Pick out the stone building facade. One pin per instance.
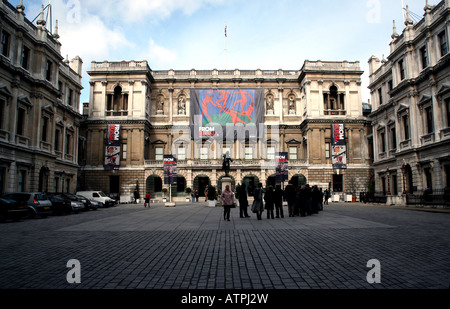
(39, 106)
(153, 109)
(411, 108)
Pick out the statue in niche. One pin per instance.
(269, 105)
(160, 106)
(181, 106)
(291, 105)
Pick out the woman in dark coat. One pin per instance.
(243, 202)
(258, 203)
(279, 201)
(269, 198)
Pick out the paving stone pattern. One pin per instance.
(191, 247)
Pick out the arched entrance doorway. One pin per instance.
(271, 181)
(153, 185)
(408, 179)
(251, 182)
(200, 183)
(299, 180)
(180, 187)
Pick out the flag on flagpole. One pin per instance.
(225, 30)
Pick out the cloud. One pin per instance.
(138, 10)
(159, 56)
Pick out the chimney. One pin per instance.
(77, 65)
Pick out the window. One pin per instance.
(393, 138)
(68, 138)
(405, 120)
(271, 153)
(124, 151)
(25, 58)
(380, 95)
(44, 129)
(443, 43)
(159, 154)
(428, 178)
(390, 86)
(248, 153)
(56, 188)
(117, 103)
(447, 106)
(57, 133)
(21, 182)
(424, 57)
(20, 121)
(394, 184)
(181, 153)
(429, 120)
(48, 70)
(2, 112)
(67, 185)
(5, 43)
(204, 153)
(70, 97)
(327, 151)
(293, 153)
(401, 66)
(383, 142)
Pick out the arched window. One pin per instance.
(334, 102)
(117, 103)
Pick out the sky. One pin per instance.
(261, 34)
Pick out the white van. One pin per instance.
(98, 196)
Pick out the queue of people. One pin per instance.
(301, 201)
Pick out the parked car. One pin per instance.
(74, 203)
(13, 210)
(98, 196)
(60, 205)
(37, 203)
(88, 204)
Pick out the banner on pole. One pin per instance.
(282, 161)
(113, 147)
(170, 170)
(338, 146)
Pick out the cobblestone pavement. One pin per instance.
(190, 246)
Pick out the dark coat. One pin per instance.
(258, 203)
(278, 197)
(269, 198)
(243, 201)
(289, 194)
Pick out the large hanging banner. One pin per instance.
(282, 172)
(338, 146)
(112, 154)
(226, 113)
(170, 170)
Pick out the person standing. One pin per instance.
(243, 202)
(206, 193)
(258, 203)
(289, 194)
(196, 196)
(136, 195)
(227, 201)
(147, 200)
(325, 196)
(278, 197)
(270, 202)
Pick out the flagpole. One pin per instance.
(225, 46)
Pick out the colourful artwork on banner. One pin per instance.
(215, 111)
(113, 147)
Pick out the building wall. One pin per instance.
(414, 146)
(148, 125)
(39, 117)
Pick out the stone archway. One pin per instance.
(153, 185)
(251, 182)
(299, 180)
(200, 183)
